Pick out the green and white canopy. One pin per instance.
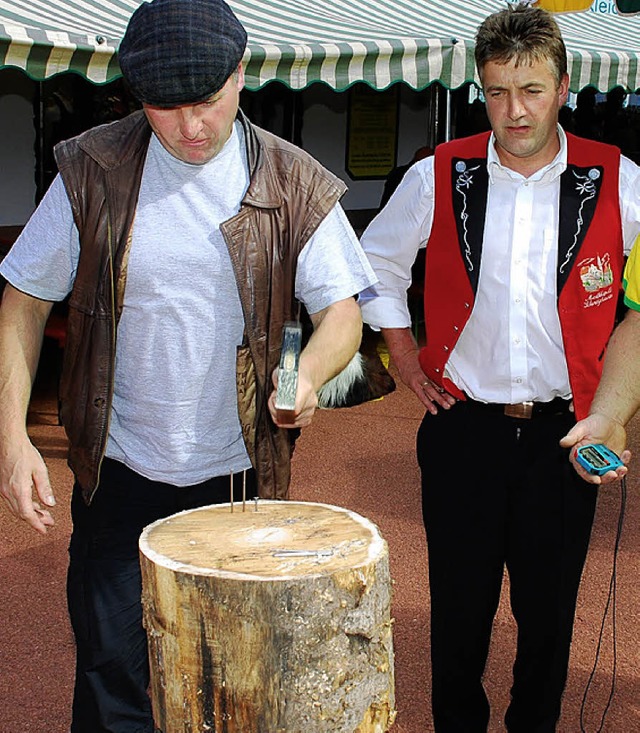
(338, 42)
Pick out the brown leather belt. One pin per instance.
(523, 410)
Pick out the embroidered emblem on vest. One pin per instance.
(596, 276)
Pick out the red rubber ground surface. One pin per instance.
(363, 459)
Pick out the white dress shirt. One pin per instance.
(511, 349)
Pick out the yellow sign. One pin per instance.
(372, 137)
(564, 6)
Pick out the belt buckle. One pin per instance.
(522, 410)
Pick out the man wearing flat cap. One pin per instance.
(184, 238)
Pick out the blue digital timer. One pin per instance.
(597, 459)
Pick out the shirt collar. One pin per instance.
(550, 172)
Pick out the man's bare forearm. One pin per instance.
(401, 344)
(22, 321)
(618, 394)
(336, 337)
(616, 401)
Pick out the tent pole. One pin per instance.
(39, 144)
(448, 116)
(435, 114)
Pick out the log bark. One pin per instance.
(268, 621)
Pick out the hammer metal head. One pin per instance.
(289, 366)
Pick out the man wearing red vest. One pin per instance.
(525, 231)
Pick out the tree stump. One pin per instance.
(275, 620)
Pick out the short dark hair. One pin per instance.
(524, 34)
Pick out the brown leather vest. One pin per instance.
(288, 196)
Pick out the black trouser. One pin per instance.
(500, 491)
(104, 589)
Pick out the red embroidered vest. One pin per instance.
(589, 264)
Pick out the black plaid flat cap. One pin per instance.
(180, 51)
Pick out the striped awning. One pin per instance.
(337, 42)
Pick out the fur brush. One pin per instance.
(364, 378)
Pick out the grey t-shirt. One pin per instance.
(174, 417)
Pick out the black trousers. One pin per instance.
(104, 589)
(499, 491)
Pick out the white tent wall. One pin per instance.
(324, 109)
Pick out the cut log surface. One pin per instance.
(268, 621)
